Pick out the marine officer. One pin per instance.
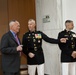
(32, 47)
(68, 49)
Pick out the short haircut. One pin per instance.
(11, 22)
(68, 21)
(31, 20)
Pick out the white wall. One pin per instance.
(58, 11)
(52, 28)
(69, 11)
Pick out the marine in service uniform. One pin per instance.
(68, 49)
(32, 47)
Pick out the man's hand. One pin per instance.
(19, 48)
(63, 40)
(73, 54)
(31, 55)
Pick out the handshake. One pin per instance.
(73, 54)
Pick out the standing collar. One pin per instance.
(67, 30)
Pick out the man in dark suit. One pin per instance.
(32, 47)
(10, 48)
(68, 49)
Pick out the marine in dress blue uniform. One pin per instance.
(68, 49)
(32, 43)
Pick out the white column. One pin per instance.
(51, 26)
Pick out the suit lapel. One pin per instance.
(11, 35)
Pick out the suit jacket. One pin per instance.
(32, 42)
(68, 47)
(10, 56)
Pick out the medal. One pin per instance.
(38, 36)
(65, 35)
(38, 41)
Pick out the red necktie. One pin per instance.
(17, 40)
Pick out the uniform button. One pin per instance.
(72, 42)
(33, 37)
(28, 40)
(34, 44)
(29, 34)
(72, 46)
(32, 33)
(71, 38)
(34, 40)
(35, 48)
